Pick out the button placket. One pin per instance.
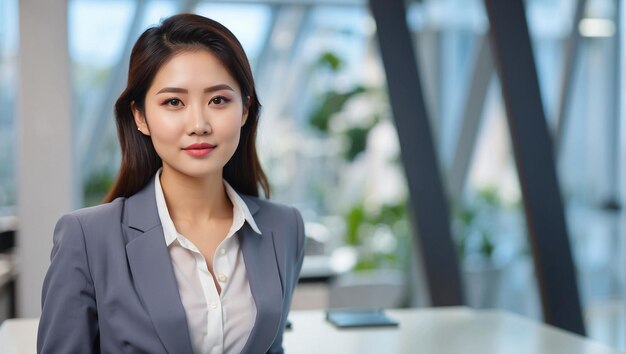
(221, 278)
(221, 264)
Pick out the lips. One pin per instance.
(199, 149)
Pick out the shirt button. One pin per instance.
(221, 278)
(222, 251)
(213, 305)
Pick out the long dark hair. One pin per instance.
(153, 49)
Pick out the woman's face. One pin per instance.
(193, 114)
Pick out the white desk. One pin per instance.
(437, 331)
(430, 331)
(18, 336)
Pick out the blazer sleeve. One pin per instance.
(300, 247)
(69, 319)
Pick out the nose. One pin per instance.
(199, 121)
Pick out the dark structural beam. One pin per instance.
(475, 96)
(572, 57)
(429, 209)
(534, 158)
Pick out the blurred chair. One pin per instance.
(368, 289)
(8, 226)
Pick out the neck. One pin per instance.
(195, 199)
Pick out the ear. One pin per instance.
(140, 119)
(244, 116)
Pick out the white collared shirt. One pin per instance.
(218, 323)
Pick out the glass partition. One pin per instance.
(8, 104)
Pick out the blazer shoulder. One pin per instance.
(99, 216)
(268, 206)
(99, 211)
(282, 217)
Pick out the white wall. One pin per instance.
(44, 142)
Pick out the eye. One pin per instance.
(173, 102)
(219, 100)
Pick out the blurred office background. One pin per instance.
(329, 146)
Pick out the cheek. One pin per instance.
(229, 127)
(229, 136)
(164, 128)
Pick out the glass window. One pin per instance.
(97, 77)
(248, 22)
(587, 154)
(8, 92)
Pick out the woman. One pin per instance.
(183, 257)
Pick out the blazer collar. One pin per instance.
(253, 207)
(242, 207)
(152, 270)
(141, 211)
(266, 286)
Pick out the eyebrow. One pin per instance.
(206, 90)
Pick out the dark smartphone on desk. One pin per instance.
(359, 318)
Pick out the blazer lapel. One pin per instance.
(262, 268)
(152, 271)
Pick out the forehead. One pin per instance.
(193, 69)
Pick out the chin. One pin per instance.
(197, 171)
(203, 173)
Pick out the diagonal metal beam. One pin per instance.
(264, 58)
(572, 54)
(295, 71)
(616, 141)
(476, 92)
(279, 64)
(429, 208)
(534, 158)
(615, 101)
(276, 66)
(92, 140)
(95, 136)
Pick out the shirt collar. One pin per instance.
(240, 210)
(241, 206)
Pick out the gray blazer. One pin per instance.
(111, 287)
